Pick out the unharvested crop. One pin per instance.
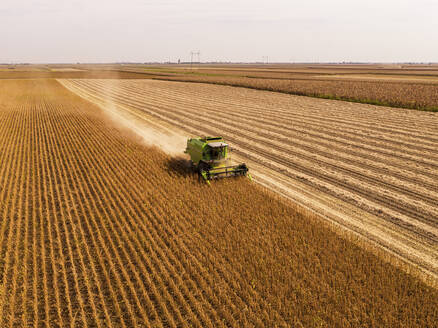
(98, 230)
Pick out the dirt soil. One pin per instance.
(372, 170)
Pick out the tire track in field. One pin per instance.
(187, 113)
(351, 125)
(355, 120)
(366, 113)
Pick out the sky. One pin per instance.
(61, 31)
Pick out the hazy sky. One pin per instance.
(223, 30)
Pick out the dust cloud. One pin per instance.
(166, 141)
(150, 131)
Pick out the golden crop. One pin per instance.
(98, 230)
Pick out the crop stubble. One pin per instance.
(379, 160)
(98, 230)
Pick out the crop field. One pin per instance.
(405, 92)
(292, 72)
(367, 168)
(406, 86)
(100, 230)
(68, 74)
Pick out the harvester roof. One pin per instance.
(217, 144)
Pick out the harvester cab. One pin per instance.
(210, 156)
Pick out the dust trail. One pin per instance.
(151, 132)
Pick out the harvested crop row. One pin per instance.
(379, 163)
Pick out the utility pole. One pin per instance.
(193, 53)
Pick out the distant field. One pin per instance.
(422, 96)
(67, 69)
(99, 230)
(405, 86)
(79, 74)
(23, 68)
(413, 87)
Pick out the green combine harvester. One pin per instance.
(210, 157)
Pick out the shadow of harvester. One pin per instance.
(180, 166)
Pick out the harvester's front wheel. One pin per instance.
(202, 170)
(202, 167)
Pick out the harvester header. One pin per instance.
(210, 156)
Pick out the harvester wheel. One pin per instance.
(203, 170)
(202, 167)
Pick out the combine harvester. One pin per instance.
(210, 157)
